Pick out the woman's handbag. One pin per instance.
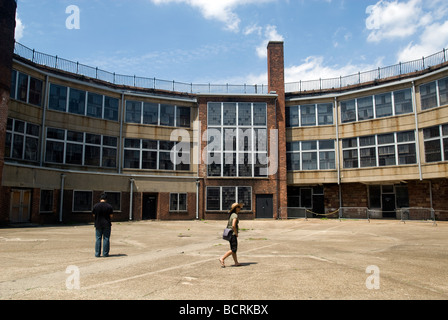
(227, 234)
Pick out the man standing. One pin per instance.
(102, 212)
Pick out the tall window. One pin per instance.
(436, 143)
(22, 140)
(237, 140)
(434, 94)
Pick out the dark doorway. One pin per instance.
(265, 209)
(388, 205)
(149, 206)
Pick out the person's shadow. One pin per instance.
(244, 264)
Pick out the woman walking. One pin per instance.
(233, 224)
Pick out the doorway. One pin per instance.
(265, 209)
(388, 200)
(20, 206)
(149, 206)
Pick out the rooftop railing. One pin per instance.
(359, 78)
(341, 82)
(133, 81)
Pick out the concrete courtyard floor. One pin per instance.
(282, 260)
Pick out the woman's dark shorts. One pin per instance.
(233, 243)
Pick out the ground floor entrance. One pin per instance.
(20, 206)
(149, 206)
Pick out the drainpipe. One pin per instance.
(417, 135)
(197, 199)
(61, 203)
(131, 197)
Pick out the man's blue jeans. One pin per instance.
(102, 234)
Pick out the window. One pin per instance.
(311, 155)
(167, 115)
(178, 202)
(150, 113)
(46, 201)
(428, 95)
(133, 111)
(114, 199)
(237, 140)
(22, 140)
(77, 101)
(94, 105)
(383, 105)
(403, 101)
(157, 114)
(309, 115)
(110, 108)
(380, 150)
(348, 111)
(292, 116)
(156, 155)
(365, 108)
(434, 94)
(378, 106)
(82, 201)
(26, 88)
(443, 91)
(58, 98)
(79, 148)
(221, 198)
(325, 114)
(436, 143)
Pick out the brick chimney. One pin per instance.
(276, 82)
(7, 29)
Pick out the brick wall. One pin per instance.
(7, 28)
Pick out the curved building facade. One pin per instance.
(370, 150)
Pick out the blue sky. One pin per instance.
(224, 41)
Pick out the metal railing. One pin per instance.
(133, 81)
(396, 70)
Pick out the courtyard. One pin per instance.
(315, 259)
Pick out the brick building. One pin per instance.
(364, 149)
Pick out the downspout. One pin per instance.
(417, 136)
(120, 142)
(131, 181)
(61, 203)
(44, 115)
(336, 109)
(197, 199)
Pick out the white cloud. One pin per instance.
(20, 27)
(432, 40)
(425, 20)
(221, 10)
(314, 68)
(270, 34)
(394, 19)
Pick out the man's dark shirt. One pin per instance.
(102, 212)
